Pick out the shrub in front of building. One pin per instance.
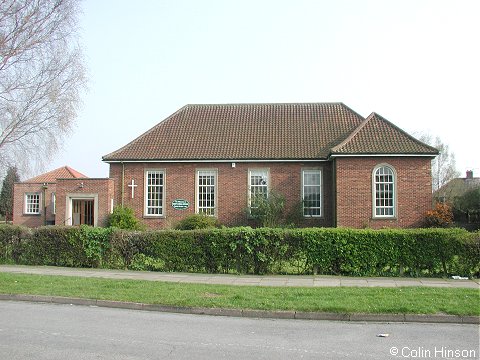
(440, 216)
(340, 251)
(197, 221)
(124, 218)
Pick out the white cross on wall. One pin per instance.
(133, 186)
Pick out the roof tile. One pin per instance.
(262, 131)
(64, 172)
(376, 135)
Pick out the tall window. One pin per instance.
(32, 203)
(312, 193)
(258, 185)
(54, 204)
(154, 192)
(206, 192)
(384, 191)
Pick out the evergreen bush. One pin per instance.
(124, 218)
(365, 252)
(196, 221)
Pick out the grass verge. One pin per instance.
(405, 300)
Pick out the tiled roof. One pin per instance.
(376, 135)
(251, 132)
(457, 187)
(64, 172)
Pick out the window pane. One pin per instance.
(384, 192)
(54, 203)
(258, 185)
(206, 192)
(154, 195)
(312, 192)
(32, 203)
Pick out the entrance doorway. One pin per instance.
(83, 212)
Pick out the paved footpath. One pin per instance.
(252, 280)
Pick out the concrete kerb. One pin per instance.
(441, 318)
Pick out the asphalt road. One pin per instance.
(51, 331)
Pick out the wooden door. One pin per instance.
(82, 212)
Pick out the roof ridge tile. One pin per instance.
(352, 135)
(405, 133)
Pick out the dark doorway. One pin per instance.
(82, 212)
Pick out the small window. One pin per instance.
(312, 193)
(154, 192)
(384, 192)
(207, 192)
(258, 185)
(32, 203)
(54, 204)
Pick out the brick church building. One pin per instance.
(338, 168)
(62, 196)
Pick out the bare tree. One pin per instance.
(443, 166)
(42, 77)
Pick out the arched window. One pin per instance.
(384, 193)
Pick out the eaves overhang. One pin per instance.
(383, 155)
(119, 161)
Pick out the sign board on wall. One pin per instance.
(180, 204)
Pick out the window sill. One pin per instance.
(209, 216)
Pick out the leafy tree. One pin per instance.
(467, 206)
(6, 195)
(443, 166)
(42, 77)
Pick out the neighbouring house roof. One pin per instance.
(294, 131)
(64, 172)
(456, 187)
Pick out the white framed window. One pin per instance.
(384, 193)
(312, 192)
(154, 193)
(54, 204)
(206, 192)
(258, 180)
(32, 203)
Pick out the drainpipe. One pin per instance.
(335, 184)
(123, 182)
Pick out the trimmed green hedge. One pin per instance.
(389, 252)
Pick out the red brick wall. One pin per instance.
(231, 189)
(31, 220)
(103, 188)
(354, 191)
(353, 197)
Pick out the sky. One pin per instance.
(416, 63)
